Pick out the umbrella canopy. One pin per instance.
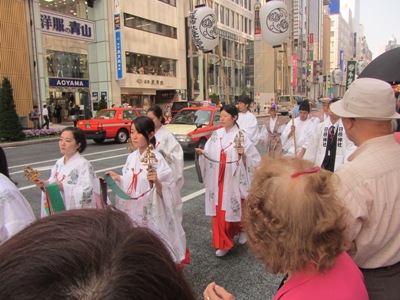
(385, 67)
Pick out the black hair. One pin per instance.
(79, 137)
(35, 106)
(232, 110)
(144, 125)
(89, 254)
(3, 163)
(157, 111)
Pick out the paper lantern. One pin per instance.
(337, 76)
(204, 28)
(274, 18)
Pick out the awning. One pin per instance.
(131, 91)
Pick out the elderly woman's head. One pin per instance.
(293, 219)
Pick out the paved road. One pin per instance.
(238, 271)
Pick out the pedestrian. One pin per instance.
(258, 108)
(167, 145)
(302, 130)
(368, 184)
(58, 110)
(270, 135)
(247, 121)
(227, 163)
(35, 117)
(74, 174)
(155, 200)
(89, 254)
(45, 114)
(296, 225)
(329, 146)
(15, 211)
(74, 114)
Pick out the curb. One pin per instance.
(29, 142)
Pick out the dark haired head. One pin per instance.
(244, 99)
(144, 125)
(89, 254)
(35, 106)
(232, 110)
(3, 163)
(157, 111)
(79, 137)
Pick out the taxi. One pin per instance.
(193, 126)
(110, 123)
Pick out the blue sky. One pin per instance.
(381, 20)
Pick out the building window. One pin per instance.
(227, 11)
(233, 19)
(138, 63)
(170, 2)
(216, 9)
(149, 26)
(221, 19)
(250, 27)
(245, 25)
(66, 64)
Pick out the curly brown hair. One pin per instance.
(294, 223)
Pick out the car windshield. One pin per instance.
(105, 114)
(179, 105)
(198, 117)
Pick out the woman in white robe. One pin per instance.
(227, 171)
(74, 174)
(167, 145)
(155, 201)
(15, 211)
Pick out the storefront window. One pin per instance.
(76, 8)
(66, 64)
(137, 63)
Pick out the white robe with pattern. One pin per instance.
(15, 211)
(303, 132)
(80, 183)
(237, 177)
(172, 151)
(248, 123)
(161, 214)
(317, 148)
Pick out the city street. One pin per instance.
(238, 272)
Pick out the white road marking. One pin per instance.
(193, 195)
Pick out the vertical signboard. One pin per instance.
(118, 47)
(351, 73)
(294, 73)
(341, 60)
(257, 23)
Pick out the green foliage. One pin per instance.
(214, 98)
(102, 103)
(10, 126)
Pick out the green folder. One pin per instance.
(54, 194)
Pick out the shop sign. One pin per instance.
(118, 47)
(67, 26)
(104, 95)
(351, 73)
(66, 82)
(95, 96)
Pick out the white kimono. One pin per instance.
(80, 183)
(303, 132)
(237, 177)
(162, 215)
(172, 151)
(317, 148)
(248, 123)
(15, 211)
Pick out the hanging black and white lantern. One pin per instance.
(204, 28)
(274, 18)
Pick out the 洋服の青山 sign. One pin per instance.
(64, 82)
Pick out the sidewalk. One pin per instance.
(38, 140)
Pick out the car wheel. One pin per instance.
(122, 136)
(201, 144)
(98, 141)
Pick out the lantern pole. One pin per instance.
(286, 67)
(222, 71)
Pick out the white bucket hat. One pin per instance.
(367, 98)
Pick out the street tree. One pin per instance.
(10, 125)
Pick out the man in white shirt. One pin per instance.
(302, 130)
(329, 146)
(247, 121)
(369, 184)
(45, 113)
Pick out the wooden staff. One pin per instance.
(286, 67)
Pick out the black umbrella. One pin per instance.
(385, 67)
